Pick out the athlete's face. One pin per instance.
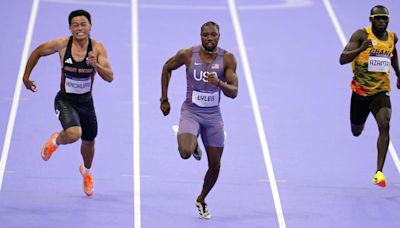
(379, 19)
(80, 27)
(209, 37)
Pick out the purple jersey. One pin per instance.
(200, 113)
(199, 92)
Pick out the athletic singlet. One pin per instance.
(76, 77)
(199, 92)
(371, 67)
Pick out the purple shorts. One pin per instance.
(204, 121)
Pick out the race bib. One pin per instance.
(77, 85)
(205, 99)
(378, 63)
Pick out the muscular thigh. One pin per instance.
(212, 131)
(188, 123)
(88, 120)
(66, 112)
(379, 101)
(359, 109)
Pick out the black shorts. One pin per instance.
(360, 106)
(77, 110)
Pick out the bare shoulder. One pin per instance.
(360, 34)
(184, 56)
(184, 53)
(229, 59)
(58, 44)
(97, 45)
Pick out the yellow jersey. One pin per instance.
(371, 67)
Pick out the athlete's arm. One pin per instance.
(182, 57)
(101, 63)
(43, 49)
(358, 43)
(230, 88)
(395, 61)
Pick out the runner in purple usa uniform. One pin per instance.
(209, 70)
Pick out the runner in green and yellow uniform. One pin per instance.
(372, 51)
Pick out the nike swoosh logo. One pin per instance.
(196, 64)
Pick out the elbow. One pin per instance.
(110, 78)
(341, 60)
(233, 95)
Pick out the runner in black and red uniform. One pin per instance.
(81, 57)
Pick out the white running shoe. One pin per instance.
(203, 210)
(197, 153)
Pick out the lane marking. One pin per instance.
(343, 40)
(17, 91)
(136, 112)
(91, 3)
(284, 4)
(256, 111)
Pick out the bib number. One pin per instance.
(378, 64)
(205, 99)
(77, 85)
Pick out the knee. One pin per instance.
(88, 144)
(73, 134)
(384, 126)
(214, 166)
(185, 152)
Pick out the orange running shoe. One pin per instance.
(87, 181)
(48, 148)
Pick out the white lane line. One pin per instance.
(257, 113)
(91, 3)
(136, 117)
(284, 4)
(393, 153)
(335, 22)
(342, 37)
(17, 91)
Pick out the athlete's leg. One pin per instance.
(87, 151)
(187, 143)
(69, 135)
(214, 139)
(359, 111)
(214, 155)
(188, 131)
(69, 119)
(89, 132)
(383, 120)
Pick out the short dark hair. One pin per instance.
(378, 7)
(209, 23)
(79, 12)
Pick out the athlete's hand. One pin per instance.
(165, 108)
(366, 44)
(92, 59)
(30, 85)
(212, 78)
